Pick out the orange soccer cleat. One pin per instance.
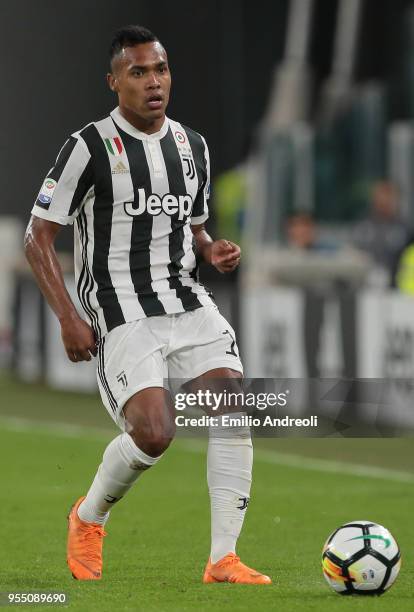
(231, 569)
(84, 549)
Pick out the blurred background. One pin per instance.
(307, 107)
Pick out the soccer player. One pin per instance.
(136, 184)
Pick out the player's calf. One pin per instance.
(129, 455)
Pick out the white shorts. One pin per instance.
(148, 352)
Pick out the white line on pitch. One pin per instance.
(64, 430)
(317, 465)
(69, 430)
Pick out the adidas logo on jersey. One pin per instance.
(154, 205)
(119, 168)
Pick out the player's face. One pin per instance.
(142, 80)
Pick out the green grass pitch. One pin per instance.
(158, 536)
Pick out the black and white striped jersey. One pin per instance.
(133, 197)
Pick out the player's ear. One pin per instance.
(112, 82)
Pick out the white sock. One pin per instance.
(122, 463)
(229, 476)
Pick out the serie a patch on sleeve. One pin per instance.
(46, 193)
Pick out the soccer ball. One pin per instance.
(361, 558)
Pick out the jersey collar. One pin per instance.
(130, 129)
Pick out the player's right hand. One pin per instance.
(79, 339)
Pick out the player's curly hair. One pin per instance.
(129, 36)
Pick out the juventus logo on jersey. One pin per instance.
(189, 167)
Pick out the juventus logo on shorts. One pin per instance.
(122, 379)
(190, 169)
(233, 344)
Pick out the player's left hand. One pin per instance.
(225, 255)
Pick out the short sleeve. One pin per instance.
(64, 189)
(200, 206)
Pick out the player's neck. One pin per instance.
(148, 127)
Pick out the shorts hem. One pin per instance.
(212, 364)
(156, 382)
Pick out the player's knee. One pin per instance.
(153, 445)
(149, 422)
(153, 439)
